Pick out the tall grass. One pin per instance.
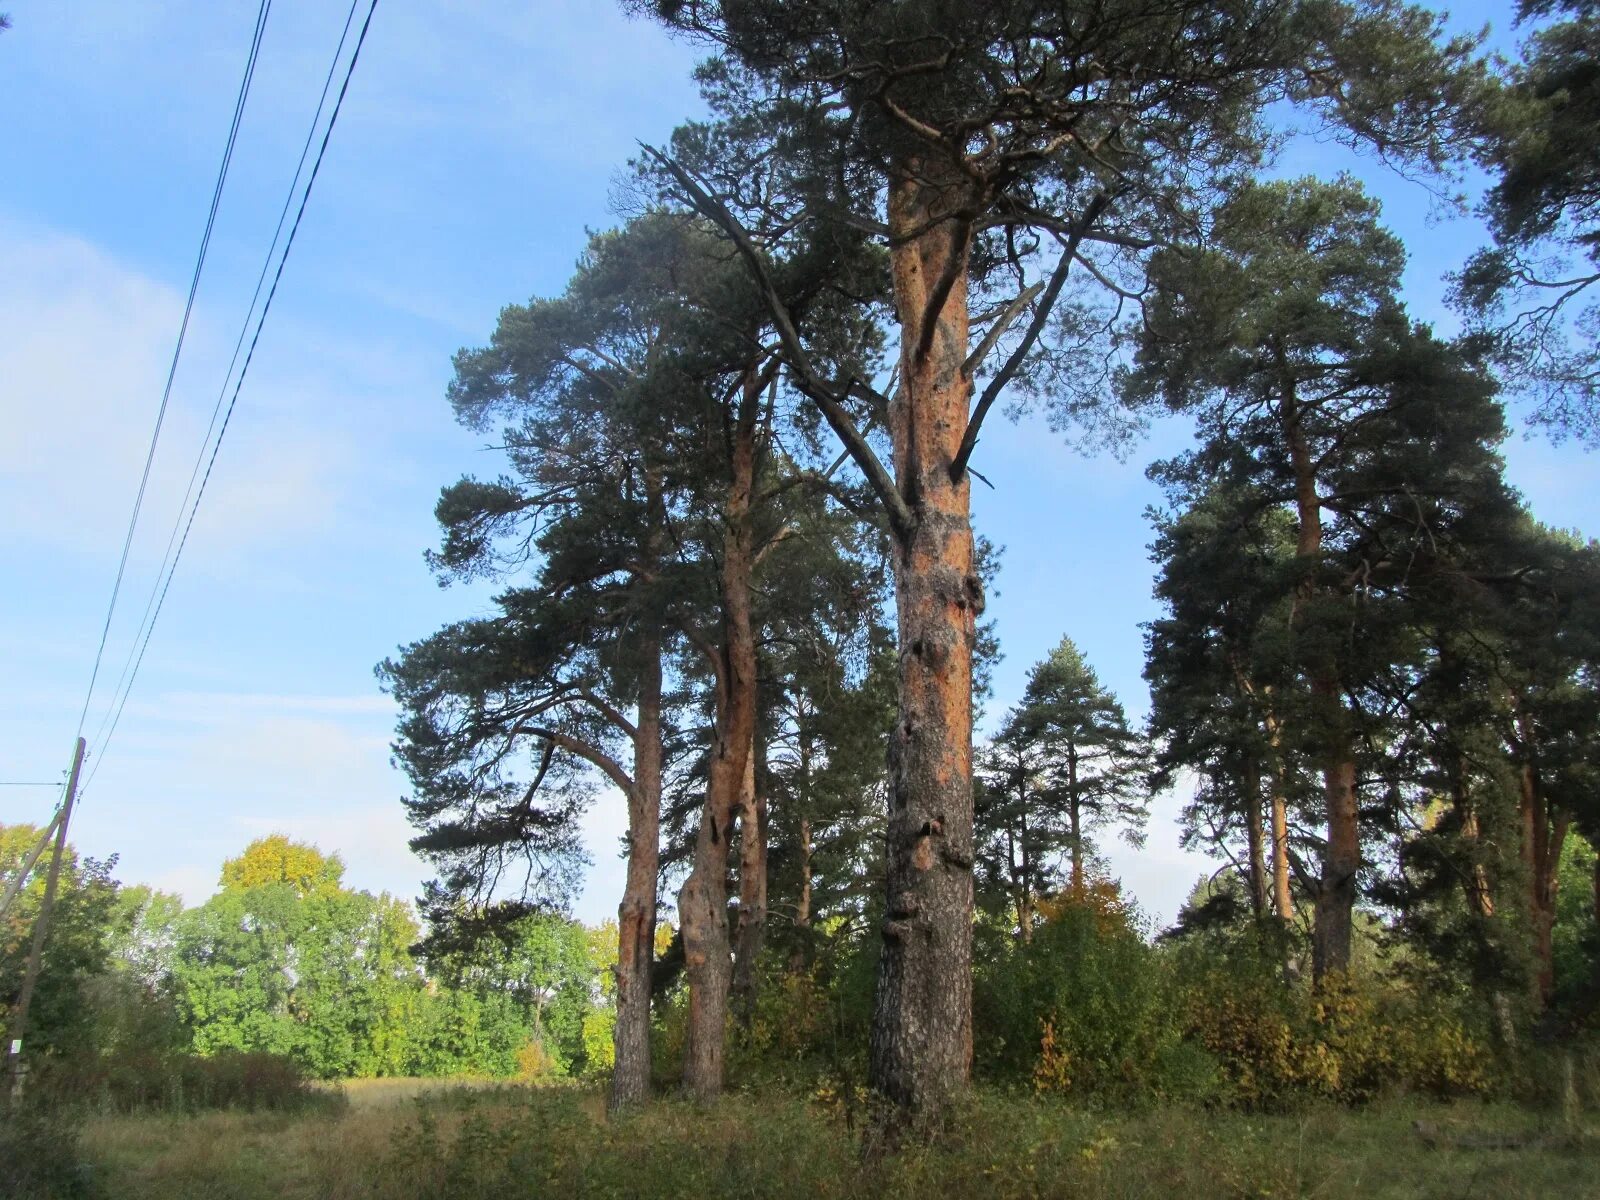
(519, 1142)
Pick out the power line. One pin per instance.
(29, 783)
(177, 352)
(222, 392)
(288, 246)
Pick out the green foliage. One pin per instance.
(61, 1018)
(456, 1032)
(1576, 936)
(1064, 765)
(1082, 1008)
(300, 967)
(39, 1154)
(542, 965)
(1351, 1039)
(323, 976)
(1534, 289)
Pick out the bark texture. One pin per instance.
(1255, 836)
(1336, 892)
(1334, 918)
(636, 916)
(752, 925)
(1544, 832)
(1282, 900)
(703, 899)
(1475, 885)
(921, 1046)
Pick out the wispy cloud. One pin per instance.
(82, 368)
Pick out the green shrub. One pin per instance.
(1084, 1008)
(39, 1155)
(1350, 1039)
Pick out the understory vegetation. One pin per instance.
(525, 1142)
(146, 1006)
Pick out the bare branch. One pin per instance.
(1041, 313)
(998, 330)
(806, 377)
(610, 713)
(589, 754)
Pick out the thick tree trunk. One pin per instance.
(1336, 894)
(636, 916)
(1341, 859)
(703, 899)
(1544, 832)
(1255, 837)
(921, 1046)
(752, 888)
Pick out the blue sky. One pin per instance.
(477, 145)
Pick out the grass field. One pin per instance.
(398, 1140)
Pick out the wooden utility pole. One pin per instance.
(41, 930)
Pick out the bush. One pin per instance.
(39, 1155)
(130, 1080)
(1349, 1040)
(1084, 1008)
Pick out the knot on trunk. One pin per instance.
(955, 857)
(922, 852)
(975, 599)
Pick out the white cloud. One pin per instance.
(82, 368)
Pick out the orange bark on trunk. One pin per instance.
(921, 1047)
(636, 916)
(703, 899)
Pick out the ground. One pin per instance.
(402, 1139)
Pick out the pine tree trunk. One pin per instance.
(752, 888)
(802, 911)
(1336, 894)
(1544, 831)
(921, 1045)
(636, 916)
(1282, 899)
(1075, 817)
(1475, 886)
(1255, 837)
(802, 908)
(1341, 859)
(1025, 881)
(703, 899)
